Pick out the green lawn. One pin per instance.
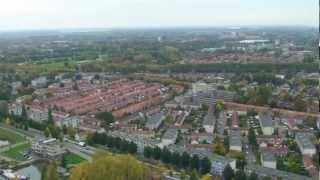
(17, 152)
(10, 136)
(72, 158)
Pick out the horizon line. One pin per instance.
(235, 26)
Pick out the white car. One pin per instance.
(82, 144)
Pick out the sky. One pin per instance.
(59, 14)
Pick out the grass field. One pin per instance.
(72, 158)
(12, 137)
(17, 152)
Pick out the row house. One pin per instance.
(108, 99)
(277, 151)
(90, 124)
(201, 138)
(235, 120)
(139, 139)
(37, 114)
(34, 113)
(273, 140)
(72, 121)
(137, 107)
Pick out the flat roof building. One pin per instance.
(155, 120)
(169, 137)
(274, 173)
(305, 145)
(268, 160)
(209, 121)
(50, 149)
(266, 123)
(235, 141)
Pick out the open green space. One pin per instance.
(72, 158)
(12, 137)
(17, 152)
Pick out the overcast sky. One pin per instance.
(51, 14)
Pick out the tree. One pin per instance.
(240, 175)
(24, 114)
(156, 153)
(176, 159)
(219, 149)
(65, 129)
(251, 113)
(194, 175)
(253, 176)
(124, 167)
(228, 173)
(147, 152)
(179, 137)
(204, 107)
(50, 118)
(240, 163)
(4, 108)
(311, 122)
(5, 90)
(55, 132)
(64, 161)
(226, 143)
(166, 155)
(183, 175)
(106, 118)
(71, 132)
(206, 177)
(266, 178)
(252, 138)
(26, 126)
(195, 162)
(299, 103)
(185, 160)
(218, 107)
(8, 121)
(132, 148)
(50, 172)
(47, 132)
(205, 165)
(169, 54)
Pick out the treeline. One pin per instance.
(201, 68)
(134, 51)
(114, 143)
(33, 70)
(181, 161)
